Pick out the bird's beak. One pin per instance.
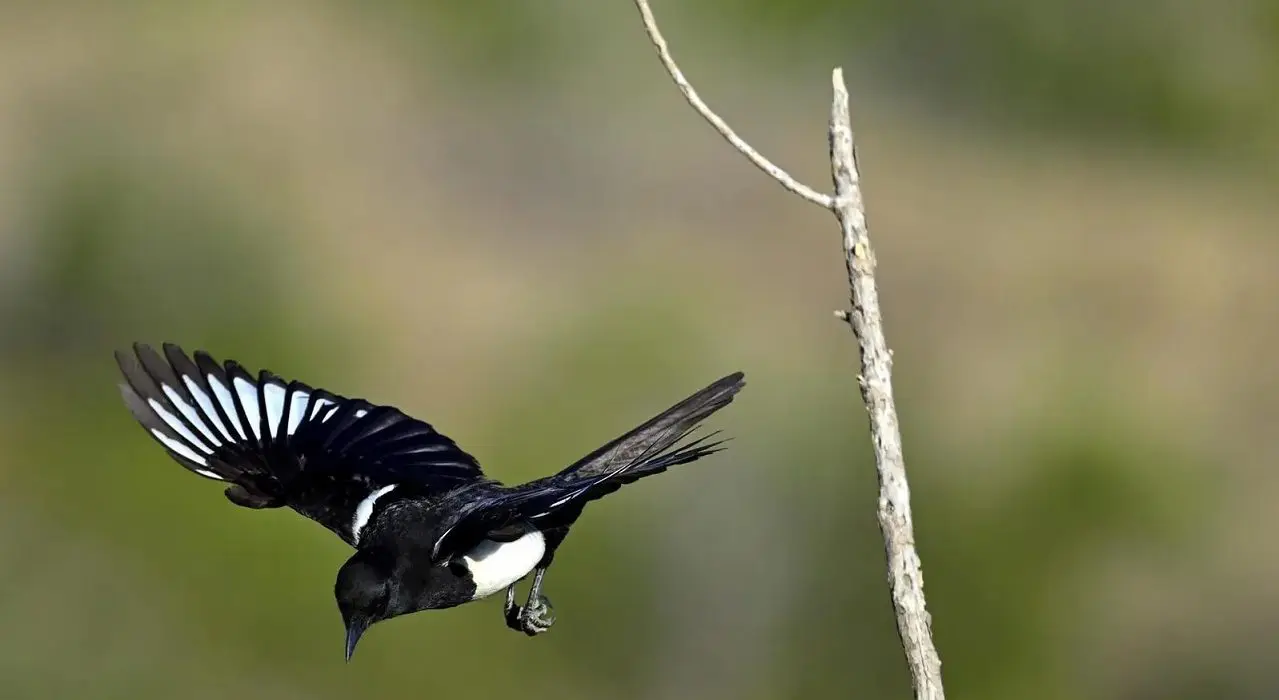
(355, 628)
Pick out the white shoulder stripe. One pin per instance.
(364, 511)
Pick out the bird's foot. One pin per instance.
(532, 619)
(536, 617)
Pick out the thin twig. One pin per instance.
(781, 176)
(905, 572)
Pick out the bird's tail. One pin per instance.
(648, 449)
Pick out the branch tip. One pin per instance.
(695, 101)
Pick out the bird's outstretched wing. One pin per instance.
(281, 443)
(558, 499)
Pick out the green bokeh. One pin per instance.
(127, 577)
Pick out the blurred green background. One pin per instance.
(501, 217)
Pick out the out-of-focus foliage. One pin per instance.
(1179, 74)
(500, 218)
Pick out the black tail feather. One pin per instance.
(558, 499)
(657, 435)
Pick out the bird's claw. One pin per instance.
(538, 616)
(532, 619)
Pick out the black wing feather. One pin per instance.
(203, 371)
(183, 366)
(285, 443)
(149, 411)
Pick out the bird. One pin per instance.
(429, 528)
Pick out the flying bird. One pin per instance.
(429, 528)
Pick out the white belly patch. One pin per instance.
(496, 565)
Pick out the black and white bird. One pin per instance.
(430, 530)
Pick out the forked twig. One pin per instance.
(905, 571)
(781, 176)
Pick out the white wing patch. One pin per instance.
(228, 404)
(177, 425)
(321, 403)
(297, 410)
(223, 423)
(192, 415)
(206, 405)
(179, 447)
(213, 433)
(197, 417)
(273, 397)
(364, 511)
(248, 393)
(496, 565)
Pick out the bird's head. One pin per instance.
(364, 590)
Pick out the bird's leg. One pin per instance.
(537, 615)
(512, 612)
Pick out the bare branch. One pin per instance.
(781, 176)
(905, 572)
